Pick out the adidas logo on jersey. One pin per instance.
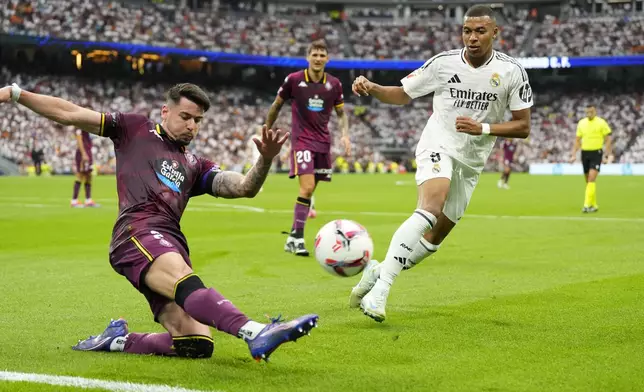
(454, 79)
(302, 84)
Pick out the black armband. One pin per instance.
(207, 181)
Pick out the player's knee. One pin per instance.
(186, 286)
(432, 206)
(307, 191)
(193, 346)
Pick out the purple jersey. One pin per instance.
(155, 177)
(87, 142)
(311, 107)
(509, 146)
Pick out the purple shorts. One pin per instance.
(134, 257)
(311, 162)
(508, 158)
(83, 168)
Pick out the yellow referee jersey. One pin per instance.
(592, 133)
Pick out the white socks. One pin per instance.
(421, 251)
(250, 330)
(118, 344)
(406, 237)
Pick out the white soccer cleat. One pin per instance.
(499, 184)
(374, 303)
(506, 186)
(370, 275)
(296, 246)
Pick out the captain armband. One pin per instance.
(209, 179)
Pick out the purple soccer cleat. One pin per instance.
(116, 329)
(278, 332)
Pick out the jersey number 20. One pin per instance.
(303, 156)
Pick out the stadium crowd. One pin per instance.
(601, 36)
(114, 21)
(286, 31)
(422, 36)
(238, 112)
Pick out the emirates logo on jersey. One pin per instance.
(170, 173)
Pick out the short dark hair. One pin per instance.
(318, 44)
(189, 91)
(480, 10)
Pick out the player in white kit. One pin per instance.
(472, 89)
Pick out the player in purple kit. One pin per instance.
(313, 94)
(509, 147)
(156, 177)
(84, 169)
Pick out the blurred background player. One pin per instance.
(84, 167)
(592, 133)
(509, 147)
(313, 93)
(37, 154)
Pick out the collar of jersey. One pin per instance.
(164, 135)
(470, 65)
(308, 80)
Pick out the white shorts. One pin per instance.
(463, 180)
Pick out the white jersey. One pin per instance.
(483, 94)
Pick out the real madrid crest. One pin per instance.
(495, 80)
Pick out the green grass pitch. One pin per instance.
(527, 294)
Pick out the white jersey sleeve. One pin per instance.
(520, 90)
(423, 80)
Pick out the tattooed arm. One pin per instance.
(233, 185)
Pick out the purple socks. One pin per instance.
(300, 214)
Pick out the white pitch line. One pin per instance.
(217, 207)
(90, 383)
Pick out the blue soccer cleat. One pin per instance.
(278, 332)
(116, 329)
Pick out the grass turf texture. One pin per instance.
(507, 304)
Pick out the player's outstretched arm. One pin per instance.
(53, 108)
(232, 185)
(344, 127)
(274, 111)
(518, 127)
(394, 95)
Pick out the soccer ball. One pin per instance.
(343, 247)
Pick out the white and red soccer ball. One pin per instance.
(343, 247)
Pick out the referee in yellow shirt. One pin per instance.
(592, 133)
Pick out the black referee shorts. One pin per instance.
(591, 159)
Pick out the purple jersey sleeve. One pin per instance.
(339, 99)
(285, 91)
(116, 125)
(207, 172)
